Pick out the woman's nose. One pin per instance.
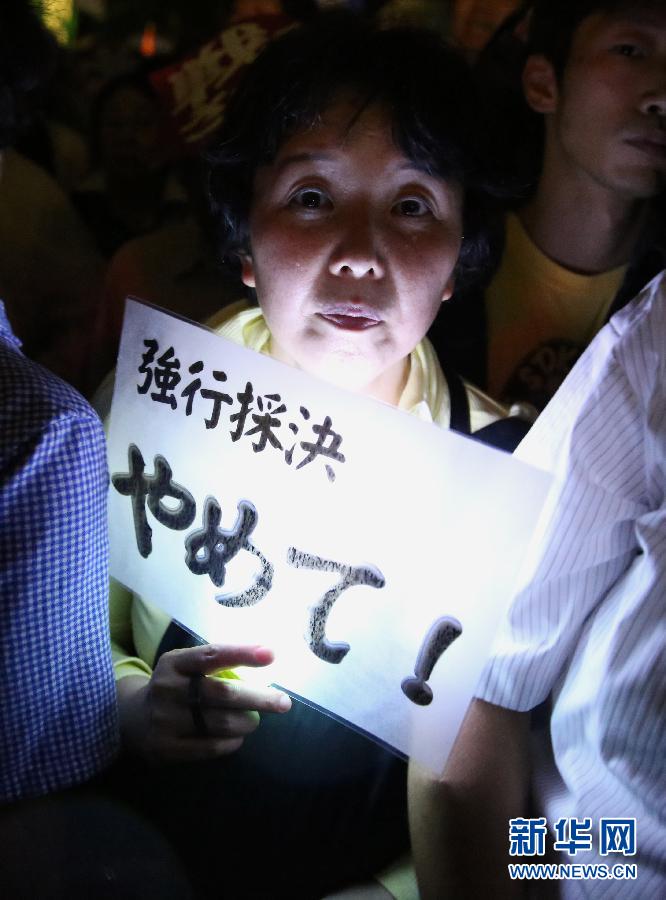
(356, 254)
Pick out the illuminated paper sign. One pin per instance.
(372, 551)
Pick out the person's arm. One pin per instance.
(459, 822)
(57, 700)
(126, 659)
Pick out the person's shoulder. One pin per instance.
(31, 397)
(645, 316)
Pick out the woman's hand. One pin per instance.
(156, 715)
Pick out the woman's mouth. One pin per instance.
(350, 317)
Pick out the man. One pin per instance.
(57, 706)
(588, 635)
(586, 240)
(58, 721)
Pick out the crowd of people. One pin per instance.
(480, 246)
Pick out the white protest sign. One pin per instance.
(373, 552)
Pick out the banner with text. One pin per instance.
(373, 552)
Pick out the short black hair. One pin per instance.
(425, 87)
(553, 23)
(27, 58)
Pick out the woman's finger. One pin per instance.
(219, 723)
(208, 658)
(228, 693)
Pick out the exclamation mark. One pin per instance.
(441, 635)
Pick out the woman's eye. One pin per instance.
(310, 198)
(632, 51)
(412, 206)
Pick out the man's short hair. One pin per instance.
(553, 23)
(425, 87)
(27, 56)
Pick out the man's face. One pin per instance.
(352, 250)
(608, 122)
(130, 133)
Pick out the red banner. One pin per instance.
(194, 91)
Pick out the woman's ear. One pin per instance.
(247, 270)
(540, 84)
(449, 287)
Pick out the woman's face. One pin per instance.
(353, 249)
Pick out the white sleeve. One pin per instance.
(597, 437)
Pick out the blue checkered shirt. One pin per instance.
(58, 720)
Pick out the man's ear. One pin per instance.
(540, 84)
(247, 270)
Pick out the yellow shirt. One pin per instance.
(425, 395)
(540, 318)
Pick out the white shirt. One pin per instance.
(590, 627)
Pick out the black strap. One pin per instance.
(505, 434)
(459, 417)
